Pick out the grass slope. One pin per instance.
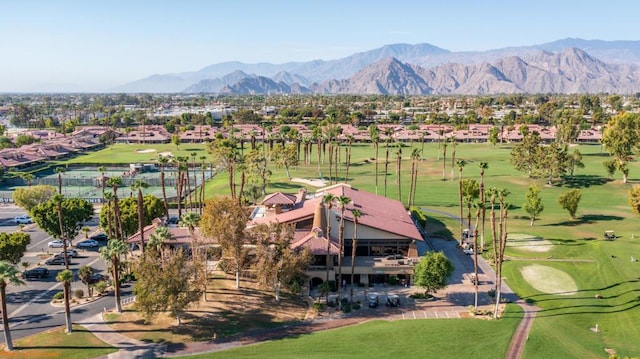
(430, 338)
(80, 344)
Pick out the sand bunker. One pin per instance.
(149, 150)
(311, 182)
(528, 243)
(549, 280)
(165, 154)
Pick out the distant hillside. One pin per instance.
(615, 60)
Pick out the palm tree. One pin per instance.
(163, 161)
(66, 277)
(444, 160)
(138, 186)
(108, 197)
(483, 166)
(374, 135)
(415, 157)
(479, 207)
(356, 213)
(461, 164)
(203, 168)
(102, 170)
(327, 200)
(114, 183)
(398, 170)
(57, 199)
(111, 254)
(8, 275)
(453, 153)
(60, 171)
(343, 201)
(158, 239)
(387, 132)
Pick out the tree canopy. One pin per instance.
(432, 271)
(27, 198)
(153, 207)
(75, 211)
(224, 221)
(13, 246)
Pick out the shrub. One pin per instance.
(78, 293)
(333, 287)
(419, 215)
(318, 307)
(59, 295)
(356, 306)
(393, 280)
(100, 287)
(346, 306)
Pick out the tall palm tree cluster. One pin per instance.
(341, 202)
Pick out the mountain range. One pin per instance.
(563, 66)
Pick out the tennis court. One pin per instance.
(85, 182)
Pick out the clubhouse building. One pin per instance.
(387, 237)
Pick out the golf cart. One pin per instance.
(373, 300)
(609, 235)
(393, 301)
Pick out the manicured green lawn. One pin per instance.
(125, 154)
(430, 338)
(80, 344)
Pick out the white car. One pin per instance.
(24, 219)
(57, 244)
(89, 243)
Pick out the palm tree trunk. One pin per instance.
(354, 246)
(164, 193)
(116, 283)
(5, 318)
(376, 146)
(67, 308)
(141, 219)
(386, 169)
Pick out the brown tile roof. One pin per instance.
(379, 212)
(279, 198)
(316, 242)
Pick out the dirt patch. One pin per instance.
(549, 280)
(149, 150)
(229, 312)
(315, 182)
(528, 243)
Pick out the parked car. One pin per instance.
(71, 253)
(101, 237)
(58, 244)
(373, 300)
(468, 251)
(55, 261)
(393, 300)
(173, 220)
(24, 219)
(97, 277)
(89, 243)
(36, 273)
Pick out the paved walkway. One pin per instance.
(129, 347)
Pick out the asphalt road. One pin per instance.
(29, 306)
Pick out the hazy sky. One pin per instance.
(87, 45)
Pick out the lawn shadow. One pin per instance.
(585, 181)
(586, 219)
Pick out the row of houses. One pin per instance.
(388, 241)
(422, 133)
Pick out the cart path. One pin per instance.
(520, 337)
